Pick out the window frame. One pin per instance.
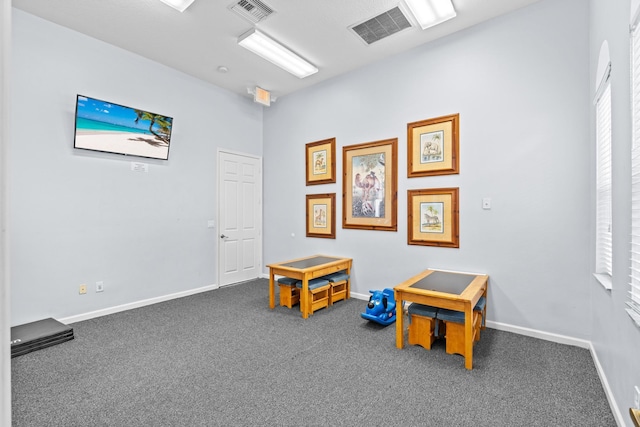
(604, 224)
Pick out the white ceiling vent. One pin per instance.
(253, 11)
(381, 26)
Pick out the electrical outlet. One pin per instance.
(636, 400)
(99, 286)
(83, 289)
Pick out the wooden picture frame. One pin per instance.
(320, 160)
(433, 146)
(321, 214)
(370, 185)
(433, 217)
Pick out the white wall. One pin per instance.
(5, 330)
(615, 337)
(81, 217)
(520, 84)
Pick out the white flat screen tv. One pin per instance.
(112, 128)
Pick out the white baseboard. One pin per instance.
(534, 333)
(615, 409)
(360, 296)
(135, 304)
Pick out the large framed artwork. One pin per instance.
(433, 217)
(320, 162)
(321, 214)
(370, 185)
(433, 146)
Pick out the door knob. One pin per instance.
(222, 236)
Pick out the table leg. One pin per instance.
(399, 321)
(304, 297)
(348, 286)
(484, 312)
(468, 336)
(272, 290)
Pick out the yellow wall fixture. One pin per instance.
(269, 49)
(179, 5)
(262, 96)
(431, 12)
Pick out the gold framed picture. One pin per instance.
(321, 214)
(432, 217)
(321, 162)
(370, 185)
(433, 146)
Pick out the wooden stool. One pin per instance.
(454, 323)
(339, 286)
(289, 294)
(318, 296)
(423, 325)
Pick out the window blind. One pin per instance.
(603, 182)
(633, 302)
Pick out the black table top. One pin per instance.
(310, 262)
(442, 281)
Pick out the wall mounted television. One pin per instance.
(112, 128)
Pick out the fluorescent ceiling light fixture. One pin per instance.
(179, 5)
(431, 12)
(277, 54)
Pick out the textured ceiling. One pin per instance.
(204, 37)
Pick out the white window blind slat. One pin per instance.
(604, 256)
(635, 316)
(634, 307)
(633, 303)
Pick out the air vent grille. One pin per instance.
(253, 11)
(381, 26)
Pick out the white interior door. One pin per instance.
(239, 217)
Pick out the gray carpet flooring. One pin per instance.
(223, 358)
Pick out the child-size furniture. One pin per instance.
(318, 294)
(289, 293)
(423, 325)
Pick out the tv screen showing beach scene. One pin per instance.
(112, 128)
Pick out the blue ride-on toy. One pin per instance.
(381, 307)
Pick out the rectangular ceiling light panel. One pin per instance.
(179, 5)
(431, 12)
(277, 54)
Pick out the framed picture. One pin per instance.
(370, 185)
(432, 217)
(433, 147)
(321, 162)
(321, 214)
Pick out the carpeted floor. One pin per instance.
(223, 358)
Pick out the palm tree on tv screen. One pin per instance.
(163, 122)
